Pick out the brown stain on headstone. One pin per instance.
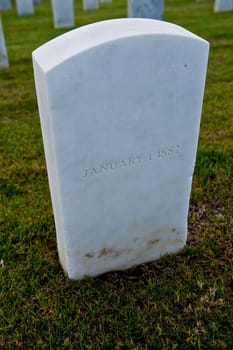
(152, 242)
(110, 252)
(89, 255)
(106, 252)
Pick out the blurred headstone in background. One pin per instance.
(25, 7)
(223, 5)
(3, 52)
(63, 13)
(5, 4)
(90, 5)
(146, 9)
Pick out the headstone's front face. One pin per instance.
(146, 9)
(120, 105)
(63, 13)
(25, 7)
(223, 5)
(5, 4)
(90, 5)
(3, 52)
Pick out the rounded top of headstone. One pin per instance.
(87, 37)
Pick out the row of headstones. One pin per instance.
(24, 7)
(136, 8)
(7, 5)
(63, 13)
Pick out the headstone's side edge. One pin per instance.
(45, 120)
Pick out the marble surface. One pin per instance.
(223, 5)
(5, 5)
(3, 52)
(24, 7)
(120, 105)
(90, 5)
(146, 9)
(63, 13)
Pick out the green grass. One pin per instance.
(180, 302)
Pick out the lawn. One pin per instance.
(179, 302)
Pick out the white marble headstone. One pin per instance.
(25, 7)
(223, 5)
(36, 1)
(146, 9)
(120, 105)
(63, 13)
(90, 5)
(3, 52)
(5, 4)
